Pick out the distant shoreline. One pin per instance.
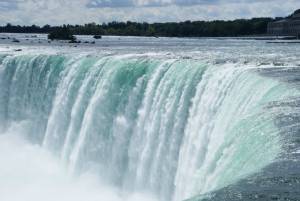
(254, 37)
(218, 28)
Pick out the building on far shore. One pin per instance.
(289, 26)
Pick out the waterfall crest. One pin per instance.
(175, 128)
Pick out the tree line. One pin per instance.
(217, 28)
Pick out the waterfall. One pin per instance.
(172, 127)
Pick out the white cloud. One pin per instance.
(78, 12)
(147, 3)
(6, 5)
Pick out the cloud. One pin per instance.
(110, 3)
(147, 3)
(6, 5)
(161, 3)
(55, 12)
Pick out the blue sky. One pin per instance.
(42, 12)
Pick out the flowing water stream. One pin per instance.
(135, 126)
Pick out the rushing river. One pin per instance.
(143, 119)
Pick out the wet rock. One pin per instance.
(15, 40)
(97, 36)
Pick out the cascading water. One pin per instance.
(174, 128)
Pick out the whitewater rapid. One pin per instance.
(132, 124)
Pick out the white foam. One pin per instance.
(29, 173)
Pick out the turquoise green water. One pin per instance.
(175, 128)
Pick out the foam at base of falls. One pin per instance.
(29, 172)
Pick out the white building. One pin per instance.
(287, 27)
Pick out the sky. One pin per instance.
(55, 12)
